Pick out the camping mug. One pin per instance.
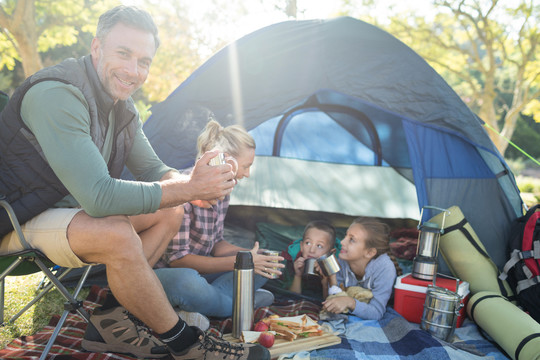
(222, 159)
(272, 253)
(309, 267)
(441, 310)
(328, 264)
(218, 160)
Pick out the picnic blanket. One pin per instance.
(68, 342)
(392, 337)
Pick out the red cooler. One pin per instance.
(410, 295)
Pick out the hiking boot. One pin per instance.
(194, 319)
(116, 330)
(209, 347)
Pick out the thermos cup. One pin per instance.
(243, 294)
(218, 160)
(328, 264)
(272, 253)
(309, 267)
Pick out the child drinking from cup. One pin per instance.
(365, 261)
(319, 238)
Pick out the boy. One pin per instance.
(319, 238)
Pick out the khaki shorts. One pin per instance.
(47, 232)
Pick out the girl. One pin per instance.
(196, 269)
(365, 261)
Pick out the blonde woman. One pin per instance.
(196, 269)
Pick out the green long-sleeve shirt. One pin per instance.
(58, 115)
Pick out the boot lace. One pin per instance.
(141, 328)
(211, 344)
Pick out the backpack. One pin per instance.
(522, 271)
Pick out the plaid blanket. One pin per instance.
(280, 308)
(392, 337)
(68, 342)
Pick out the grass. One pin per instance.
(529, 188)
(19, 290)
(527, 179)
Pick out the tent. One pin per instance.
(347, 120)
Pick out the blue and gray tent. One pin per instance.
(347, 120)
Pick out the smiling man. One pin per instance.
(121, 67)
(65, 136)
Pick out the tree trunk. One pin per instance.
(510, 121)
(491, 119)
(23, 27)
(291, 9)
(488, 113)
(31, 61)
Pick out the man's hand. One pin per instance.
(206, 182)
(211, 182)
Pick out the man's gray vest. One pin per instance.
(26, 178)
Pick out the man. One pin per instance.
(65, 137)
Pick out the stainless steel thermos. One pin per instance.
(243, 294)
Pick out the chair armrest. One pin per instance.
(14, 221)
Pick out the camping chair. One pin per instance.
(29, 261)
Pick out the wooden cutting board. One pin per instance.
(305, 344)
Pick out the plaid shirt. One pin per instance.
(201, 229)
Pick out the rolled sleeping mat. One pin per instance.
(513, 329)
(466, 256)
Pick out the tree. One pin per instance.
(38, 33)
(288, 7)
(528, 133)
(18, 32)
(189, 35)
(487, 50)
(31, 27)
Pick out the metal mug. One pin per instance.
(218, 160)
(272, 253)
(222, 159)
(309, 267)
(328, 264)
